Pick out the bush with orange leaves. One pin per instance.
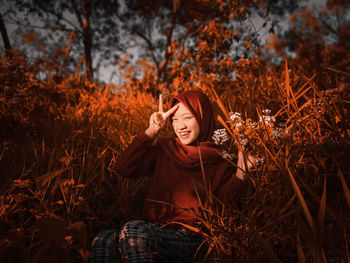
(60, 137)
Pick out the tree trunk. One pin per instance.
(87, 39)
(5, 37)
(84, 22)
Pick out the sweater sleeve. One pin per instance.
(138, 159)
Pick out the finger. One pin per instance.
(161, 103)
(171, 111)
(157, 120)
(155, 117)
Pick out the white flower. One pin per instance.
(266, 111)
(220, 136)
(275, 134)
(226, 155)
(258, 161)
(320, 107)
(267, 119)
(250, 124)
(242, 140)
(235, 116)
(238, 125)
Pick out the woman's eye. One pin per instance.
(187, 118)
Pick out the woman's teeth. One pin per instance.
(184, 133)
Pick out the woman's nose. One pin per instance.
(181, 125)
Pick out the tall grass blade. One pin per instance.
(287, 206)
(201, 204)
(302, 201)
(344, 185)
(346, 245)
(322, 211)
(299, 109)
(206, 183)
(301, 92)
(287, 81)
(317, 198)
(223, 123)
(338, 71)
(268, 249)
(320, 222)
(219, 102)
(189, 227)
(300, 251)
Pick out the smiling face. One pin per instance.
(185, 125)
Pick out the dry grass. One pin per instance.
(60, 138)
(297, 207)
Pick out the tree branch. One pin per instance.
(75, 8)
(142, 36)
(330, 28)
(168, 52)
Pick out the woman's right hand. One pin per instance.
(157, 121)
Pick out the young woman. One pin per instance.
(181, 168)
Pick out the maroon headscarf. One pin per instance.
(200, 106)
(188, 155)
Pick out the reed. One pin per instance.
(288, 212)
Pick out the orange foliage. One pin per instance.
(61, 135)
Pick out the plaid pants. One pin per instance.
(140, 241)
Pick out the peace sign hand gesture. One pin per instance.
(157, 119)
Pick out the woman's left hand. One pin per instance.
(244, 164)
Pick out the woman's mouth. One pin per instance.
(184, 134)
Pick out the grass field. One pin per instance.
(61, 136)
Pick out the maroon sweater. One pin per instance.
(174, 188)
